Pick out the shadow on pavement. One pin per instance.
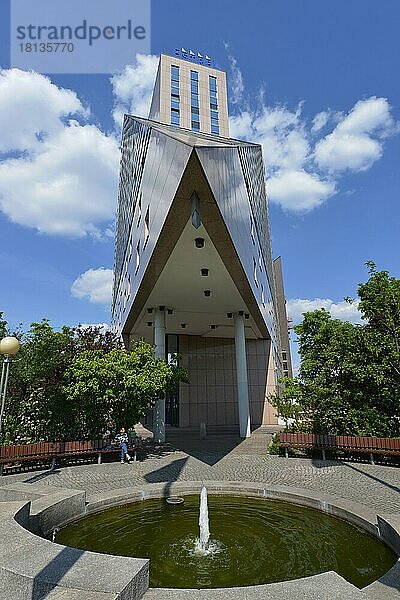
(41, 476)
(210, 450)
(167, 474)
(373, 477)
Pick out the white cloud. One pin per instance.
(367, 116)
(320, 120)
(58, 172)
(303, 168)
(31, 107)
(94, 284)
(61, 175)
(236, 84)
(339, 310)
(68, 187)
(280, 132)
(133, 88)
(241, 125)
(298, 190)
(354, 152)
(286, 149)
(356, 142)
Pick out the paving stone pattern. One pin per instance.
(227, 458)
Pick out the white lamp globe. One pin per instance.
(9, 345)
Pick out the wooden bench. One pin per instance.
(348, 443)
(22, 453)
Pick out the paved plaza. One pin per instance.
(228, 458)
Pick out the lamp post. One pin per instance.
(8, 346)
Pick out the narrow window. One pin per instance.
(252, 230)
(214, 121)
(137, 257)
(255, 271)
(194, 100)
(146, 226)
(139, 208)
(262, 296)
(130, 248)
(175, 117)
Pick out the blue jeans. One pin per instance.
(124, 450)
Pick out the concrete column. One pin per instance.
(159, 342)
(241, 374)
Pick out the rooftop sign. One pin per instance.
(201, 59)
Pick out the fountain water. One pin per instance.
(243, 544)
(203, 521)
(204, 546)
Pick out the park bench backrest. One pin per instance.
(313, 440)
(50, 448)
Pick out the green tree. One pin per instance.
(3, 326)
(349, 381)
(287, 402)
(111, 389)
(79, 382)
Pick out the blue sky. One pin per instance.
(315, 82)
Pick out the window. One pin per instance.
(139, 208)
(174, 95)
(252, 230)
(214, 117)
(174, 116)
(128, 287)
(146, 226)
(130, 248)
(174, 73)
(255, 271)
(262, 296)
(194, 100)
(260, 261)
(137, 257)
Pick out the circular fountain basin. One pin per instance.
(253, 541)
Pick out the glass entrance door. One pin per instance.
(172, 401)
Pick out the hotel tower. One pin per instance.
(194, 272)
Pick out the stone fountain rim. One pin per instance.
(55, 508)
